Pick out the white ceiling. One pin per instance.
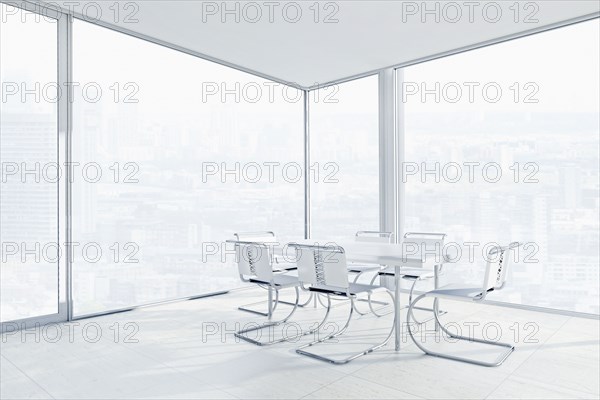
(368, 35)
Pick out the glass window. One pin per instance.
(29, 155)
(502, 145)
(189, 152)
(344, 139)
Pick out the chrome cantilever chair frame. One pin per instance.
(494, 280)
(261, 271)
(264, 237)
(329, 275)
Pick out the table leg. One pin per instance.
(397, 306)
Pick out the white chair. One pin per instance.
(268, 237)
(255, 266)
(279, 266)
(498, 261)
(324, 269)
(369, 237)
(360, 269)
(429, 245)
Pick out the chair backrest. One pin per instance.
(322, 265)
(258, 237)
(497, 265)
(253, 260)
(427, 244)
(374, 237)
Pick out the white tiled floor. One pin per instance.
(186, 350)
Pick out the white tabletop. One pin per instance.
(392, 254)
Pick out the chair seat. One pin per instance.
(282, 280)
(457, 290)
(357, 269)
(409, 273)
(355, 289)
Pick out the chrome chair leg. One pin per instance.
(435, 310)
(246, 308)
(270, 306)
(368, 300)
(301, 350)
(375, 311)
(307, 302)
(300, 305)
(242, 333)
(353, 303)
(510, 348)
(249, 307)
(372, 310)
(319, 295)
(321, 302)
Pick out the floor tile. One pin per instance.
(519, 388)
(16, 385)
(352, 387)
(568, 371)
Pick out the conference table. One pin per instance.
(390, 254)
